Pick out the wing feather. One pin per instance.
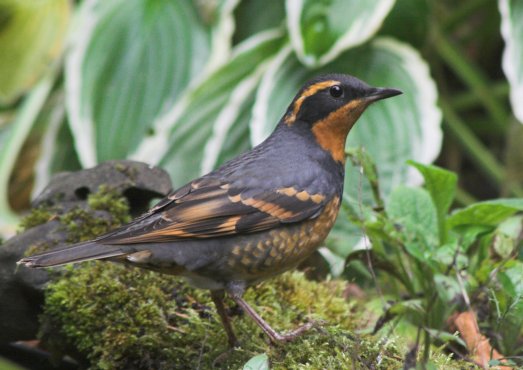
(208, 207)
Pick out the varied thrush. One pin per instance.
(258, 215)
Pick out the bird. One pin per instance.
(257, 216)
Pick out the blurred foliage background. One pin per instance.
(187, 85)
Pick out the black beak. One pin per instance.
(379, 93)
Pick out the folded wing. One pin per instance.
(210, 207)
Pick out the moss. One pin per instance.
(119, 317)
(83, 224)
(107, 199)
(106, 209)
(37, 216)
(129, 171)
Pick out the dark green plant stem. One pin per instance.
(468, 100)
(406, 277)
(426, 348)
(471, 76)
(457, 16)
(476, 151)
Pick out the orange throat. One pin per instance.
(331, 132)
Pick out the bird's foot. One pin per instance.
(293, 334)
(273, 335)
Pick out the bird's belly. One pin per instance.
(258, 256)
(212, 263)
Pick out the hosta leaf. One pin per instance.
(222, 30)
(31, 38)
(130, 62)
(392, 131)
(215, 113)
(512, 31)
(322, 30)
(57, 153)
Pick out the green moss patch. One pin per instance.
(105, 210)
(120, 317)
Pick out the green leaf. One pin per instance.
(32, 34)
(322, 30)
(512, 31)
(258, 362)
(511, 279)
(466, 235)
(450, 254)
(131, 61)
(413, 210)
(410, 305)
(506, 236)
(441, 185)
(214, 113)
(447, 287)
(488, 213)
(445, 337)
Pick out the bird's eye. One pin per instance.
(336, 91)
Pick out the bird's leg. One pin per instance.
(217, 298)
(236, 293)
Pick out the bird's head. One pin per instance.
(330, 105)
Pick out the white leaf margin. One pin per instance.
(222, 36)
(358, 32)
(258, 124)
(512, 55)
(428, 148)
(152, 149)
(227, 117)
(83, 25)
(42, 175)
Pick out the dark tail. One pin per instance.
(76, 253)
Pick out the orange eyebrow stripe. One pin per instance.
(311, 90)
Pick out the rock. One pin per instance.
(138, 182)
(66, 198)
